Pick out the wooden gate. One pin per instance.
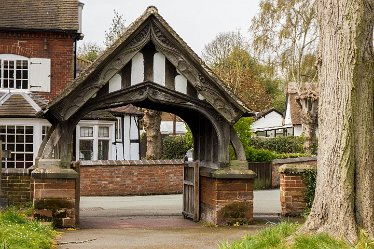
(191, 191)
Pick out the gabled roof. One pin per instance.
(264, 113)
(52, 15)
(20, 105)
(129, 33)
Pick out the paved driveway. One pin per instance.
(155, 222)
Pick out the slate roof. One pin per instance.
(151, 11)
(56, 15)
(100, 115)
(20, 105)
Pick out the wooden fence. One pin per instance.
(264, 174)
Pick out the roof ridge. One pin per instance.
(31, 102)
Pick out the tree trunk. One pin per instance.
(152, 121)
(344, 200)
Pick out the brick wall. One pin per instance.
(275, 176)
(226, 201)
(292, 188)
(56, 46)
(292, 191)
(121, 178)
(15, 186)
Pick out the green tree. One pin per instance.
(89, 51)
(229, 58)
(115, 30)
(285, 35)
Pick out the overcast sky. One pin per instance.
(196, 21)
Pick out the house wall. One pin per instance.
(56, 46)
(271, 120)
(298, 130)
(135, 177)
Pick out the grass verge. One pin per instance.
(282, 236)
(18, 231)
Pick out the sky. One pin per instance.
(198, 22)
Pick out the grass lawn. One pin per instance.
(18, 231)
(282, 236)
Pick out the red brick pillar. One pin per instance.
(54, 195)
(292, 188)
(226, 196)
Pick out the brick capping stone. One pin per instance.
(275, 178)
(292, 188)
(131, 162)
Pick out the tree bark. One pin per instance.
(344, 200)
(152, 122)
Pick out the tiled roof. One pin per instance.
(128, 109)
(100, 115)
(20, 105)
(39, 14)
(295, 109)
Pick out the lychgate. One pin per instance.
(149, 66)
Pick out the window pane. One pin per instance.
(103, 131)
(85, 150)
(103, 150)
(86, 132)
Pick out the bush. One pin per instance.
(175, 147)
(290, 155)
(259, 155)
(279, 144)
(309, 178)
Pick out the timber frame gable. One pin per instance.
(150, 27)
(205, 104)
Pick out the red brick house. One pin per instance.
(38, 43)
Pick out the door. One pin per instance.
(191, 191)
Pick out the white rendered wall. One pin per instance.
(287, 118)
(137, 69)
(181, 84)
(298, 130)
(271, 120)
(166, 127)
(159, 68)
(115, 83)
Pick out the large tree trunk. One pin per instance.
(344, 201)
(152, 121)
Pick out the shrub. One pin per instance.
(174, 147)
(309, 178)
(259, 155)
(279, 144)
(290, 155)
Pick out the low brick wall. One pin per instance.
(16, 188)
(292, 188)
(275, 176)
(130, 177)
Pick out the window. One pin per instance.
(14, 73)
(19, 140)
(119, 129)
(45, 130)
(94, 142)
(22, 73)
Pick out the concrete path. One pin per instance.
(155, 222)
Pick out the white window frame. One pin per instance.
(95, 125)
(14, 58)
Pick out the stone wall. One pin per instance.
(16, 187)
(130, 177)
(292, 188)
